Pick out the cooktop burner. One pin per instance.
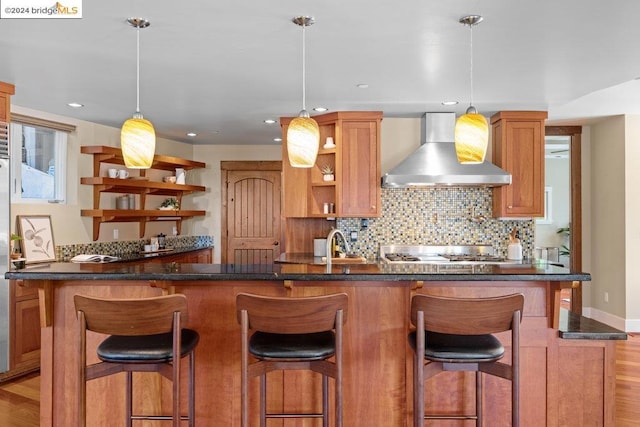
(440, 254)
(401, 257)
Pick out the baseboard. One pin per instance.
(16, 373)
(611, 320)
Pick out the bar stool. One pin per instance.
(292, 333)
(145, 336)
(455, 334)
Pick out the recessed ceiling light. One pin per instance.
(277, 139)
(75, 105)
(362, 86)
(320, 109)
(449, 102)
(269, 121)
(191, 134)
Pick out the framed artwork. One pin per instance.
(37, 238)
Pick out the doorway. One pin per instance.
(251, 220)
(569, 236)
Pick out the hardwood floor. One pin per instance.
(20, 402)
(19, 399)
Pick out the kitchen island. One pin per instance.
(566, 381)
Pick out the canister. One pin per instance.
(122, 202)
(319, 247)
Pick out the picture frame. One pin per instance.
(37, 238)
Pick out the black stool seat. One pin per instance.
(459, 348)
(145, 348)
(312, 346)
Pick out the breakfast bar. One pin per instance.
(567, 366)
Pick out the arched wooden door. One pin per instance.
(251, 220)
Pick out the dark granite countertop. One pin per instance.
(574, 326)
(308, 272)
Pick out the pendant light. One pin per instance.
(137, 137)
(471, 130)
(303, 134)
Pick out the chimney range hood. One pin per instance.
(435, 164)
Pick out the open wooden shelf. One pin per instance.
(142, 187)
(113, 155)
(137, 215)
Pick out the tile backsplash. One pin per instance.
(119, 248)
(437, 216)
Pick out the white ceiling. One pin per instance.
(219, 68)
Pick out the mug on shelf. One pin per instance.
(113, 173)
(123, 174)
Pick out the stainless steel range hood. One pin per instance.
(435, 163)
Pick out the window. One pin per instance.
(38, 163)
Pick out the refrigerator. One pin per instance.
(5, 225)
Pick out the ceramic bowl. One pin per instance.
(169, 179)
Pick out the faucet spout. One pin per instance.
(335, 232)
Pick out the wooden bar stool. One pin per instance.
(455, 334)
(145, 336)
(292, 333)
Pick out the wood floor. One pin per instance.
(19, 399)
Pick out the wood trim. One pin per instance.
(575, 239)
(275, 165)
(35, 121)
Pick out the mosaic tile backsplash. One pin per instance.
(437, 216)
(66, 252)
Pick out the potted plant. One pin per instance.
(15, 247)
(170, 204)
(327, 172)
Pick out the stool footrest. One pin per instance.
(450, 417)
(294, 415)
(157, 417)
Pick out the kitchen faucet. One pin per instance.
(335, 232)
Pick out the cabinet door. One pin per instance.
(25, 328)
(360, 167)
(519, 149)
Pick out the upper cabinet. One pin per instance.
(354, 159)
(139, 186)
(518, 148)
(6, 90)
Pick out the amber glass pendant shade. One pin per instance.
(303, 142)
(138, 143)
(471, 138)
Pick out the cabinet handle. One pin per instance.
(276, 243)
(510, 207)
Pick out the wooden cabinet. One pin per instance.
(518, 148)
(24, 333)
(140, 187)
(355, 159)
(6, 90)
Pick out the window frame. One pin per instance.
(60, 164)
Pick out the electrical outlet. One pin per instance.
(354, 236)
(606, 297)
(115, 234)
(175, 230)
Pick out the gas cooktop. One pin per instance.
(459, 254)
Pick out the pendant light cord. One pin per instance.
(304, 77)
(471, 65)
(138, 70)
